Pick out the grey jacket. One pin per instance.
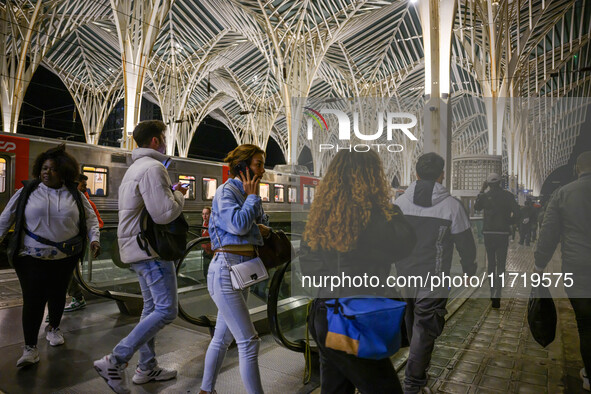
(146, 183)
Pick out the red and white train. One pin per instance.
(286, 195)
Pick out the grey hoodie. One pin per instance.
(440, 221)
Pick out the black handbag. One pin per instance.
(277, 249)
(541, 316)
(169, 240)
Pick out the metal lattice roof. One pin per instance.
(242, 61)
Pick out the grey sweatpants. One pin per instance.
(424, 319)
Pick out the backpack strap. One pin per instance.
(141, 238)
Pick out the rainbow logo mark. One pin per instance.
(315, 115)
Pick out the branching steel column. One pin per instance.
(437, 18)
(28, 31)
(138, 24)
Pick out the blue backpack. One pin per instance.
(365, 327)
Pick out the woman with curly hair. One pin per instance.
(352, 230)
(52, 220)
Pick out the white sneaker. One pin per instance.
(158, 373)
(586, 385)
(30, 356)
(55, 337)
(113, 374)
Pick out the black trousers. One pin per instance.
(496, 253)
(341, 372)
(525, 234)
(42, 282)
(582, 309)
(424, 318)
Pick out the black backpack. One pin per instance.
(169, 241)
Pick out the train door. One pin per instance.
(6, 179)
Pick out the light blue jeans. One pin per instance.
(159, 290)
(233, 321)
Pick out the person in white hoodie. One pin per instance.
(52, 222)
(145, 184)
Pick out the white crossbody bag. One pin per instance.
(247, 273)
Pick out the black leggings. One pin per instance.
(43, 282)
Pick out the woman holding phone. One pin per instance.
(237, 224)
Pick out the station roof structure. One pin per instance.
(241, 61)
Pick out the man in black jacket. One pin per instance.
(568, 220)
(500, 212)
(440, 222)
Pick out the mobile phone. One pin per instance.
(185, 185)
(242, 167)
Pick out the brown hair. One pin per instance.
(146, 130)
(243, 152)
(353, 187)
(67, 165)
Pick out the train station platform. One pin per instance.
(482, 350)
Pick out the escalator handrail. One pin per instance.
(272, 316)
(203, 320)
(85, 285)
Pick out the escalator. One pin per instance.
(108, 277)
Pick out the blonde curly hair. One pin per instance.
(354, 186)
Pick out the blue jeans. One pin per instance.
(159, 289)
(233, 321)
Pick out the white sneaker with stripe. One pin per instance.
(157, 373)
(113, 374)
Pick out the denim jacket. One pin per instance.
(234, 217)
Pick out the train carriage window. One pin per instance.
(209, 187)
(190, 195)
(2, 175)
(309, 194)
(264, 191)
(279, 193)
(97, 180)
(292, 194)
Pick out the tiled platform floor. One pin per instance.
(481, 350)
(485, 350)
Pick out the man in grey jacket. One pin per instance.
(145, 184)
(568, 220)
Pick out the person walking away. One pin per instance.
(74, 289)
(207, 253)
(567, 220)
(442, 222)
(501, 211)
(236, 226)
(536, 208)
(145, 184)
(526, 215)
(52, 221)
(354, 234)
